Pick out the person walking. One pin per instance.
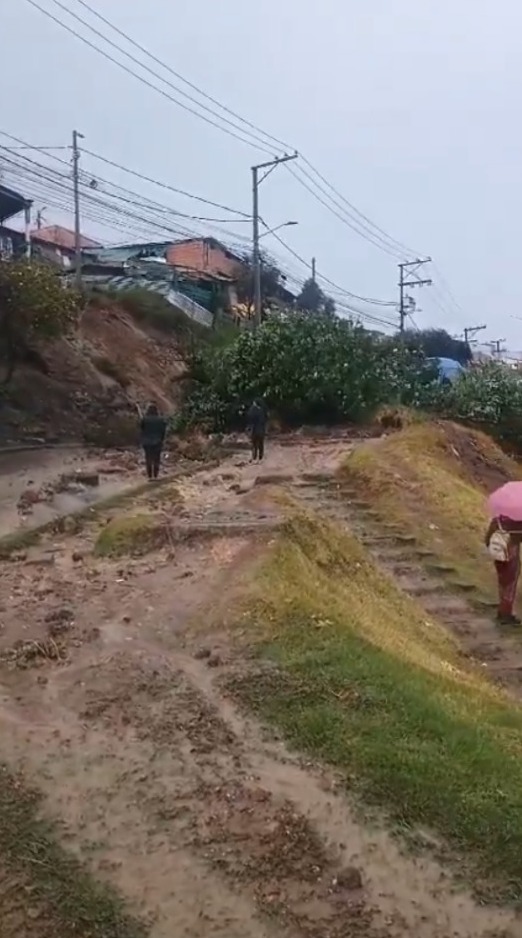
(153, 429)
(256, 426)
(503, 539)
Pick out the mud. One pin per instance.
(204, 822)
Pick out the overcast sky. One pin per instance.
(411, 109)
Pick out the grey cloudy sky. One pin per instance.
(410, 108)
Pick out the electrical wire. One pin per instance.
(112, 214)
(134, 74)
(138, 175)
(379, 238)
(258, 131)
(332, 283)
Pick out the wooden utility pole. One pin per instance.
(256, 253)
(409, 270)
(77, 227)
(470, 331)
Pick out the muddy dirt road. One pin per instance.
(203, 821)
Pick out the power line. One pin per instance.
(343, 217)
(110, 214)
(130, 71)
(361, 229)
(379, 239)
(332, 283)
(138, 175)
(259, 131)
(168, 68)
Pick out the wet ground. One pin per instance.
(115, 706)
(26, 473)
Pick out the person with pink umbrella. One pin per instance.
(503, 539)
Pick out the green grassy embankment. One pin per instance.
(368, 683)
(431, 481)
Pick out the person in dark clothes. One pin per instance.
(256, 426)
(153, 430)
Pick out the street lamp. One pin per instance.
(256, 256)
(285, 224)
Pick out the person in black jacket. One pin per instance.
(153, 429)
(256, 426)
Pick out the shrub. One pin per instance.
(306, 368)
(34, 304)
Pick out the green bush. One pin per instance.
(306, 368)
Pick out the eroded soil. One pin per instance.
(201, 819)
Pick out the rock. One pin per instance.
(59, 621)
(202, 653)
(45, 559)
(349, 878)
(214, 661)
(82, 477)
(242, 488)
(274, 478)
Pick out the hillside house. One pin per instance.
(12, 203)
(57, 244)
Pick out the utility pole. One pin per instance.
(409, 270)
(76, 189)
(256, 254)
(313, 269)
(471, 330)
(496, 347)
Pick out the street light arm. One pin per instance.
(284, 224)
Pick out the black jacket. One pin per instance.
(153, 429)
(256, 419)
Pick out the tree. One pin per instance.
(437, 343)
(313, 300)
(34, 304)
(271, 280)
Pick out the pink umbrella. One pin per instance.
(506, 502)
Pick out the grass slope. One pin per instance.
(431, 480)
(368, 683)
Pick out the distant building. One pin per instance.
(13, 242)
(205, 256)
(57, 244)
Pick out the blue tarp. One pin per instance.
(448, 368)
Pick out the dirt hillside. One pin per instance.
(86, 386)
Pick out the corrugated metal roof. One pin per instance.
(11, 203)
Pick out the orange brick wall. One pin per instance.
(197, 255)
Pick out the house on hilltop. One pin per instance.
(57, 244)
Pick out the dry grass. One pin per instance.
(366, 681)
(431, 480)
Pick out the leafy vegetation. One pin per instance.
(313, 300)
(305, 367)
(368, 682)
(34, 304)
(310, 367)
(437, 343)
